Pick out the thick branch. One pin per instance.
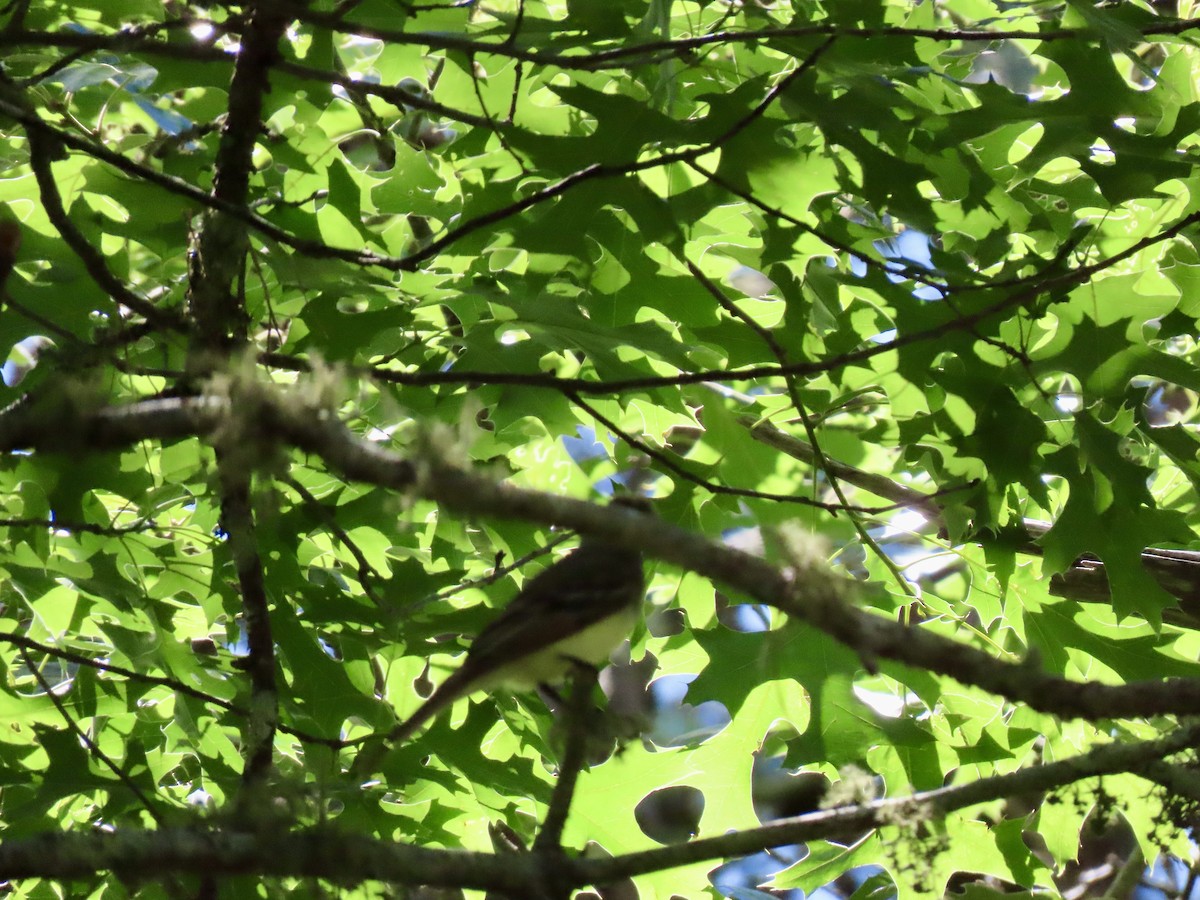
(813, 593)
(61, 424)
(320, 854)
(350, 858)
(926, 806)
(237, 519)
(222, 244)
(221, 323)
(819, 597)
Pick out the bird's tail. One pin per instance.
(448, 691)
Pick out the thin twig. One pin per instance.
(821, 462)
(141, 525)
(41, 155)
(651, 52)
(92, 746)
(887, 268)
(174, 684)
(880, 485)
(495, 575)
(576, 713)
(366, 572)
(664, 460)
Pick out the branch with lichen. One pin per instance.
(350, 858)
(814, 592)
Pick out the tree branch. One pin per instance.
(651, 52)
(811, 592)
(41, 155)
(350, 858)
(575, 715)
(86, 739)
(173, 684)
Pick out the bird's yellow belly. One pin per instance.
(551, 664)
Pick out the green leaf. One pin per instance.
(825, 862)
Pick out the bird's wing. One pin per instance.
(566, 598)
(588, 585)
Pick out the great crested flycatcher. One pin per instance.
(575, 611)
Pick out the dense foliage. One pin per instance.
(323, 313)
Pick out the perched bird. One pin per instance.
(576, 611)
